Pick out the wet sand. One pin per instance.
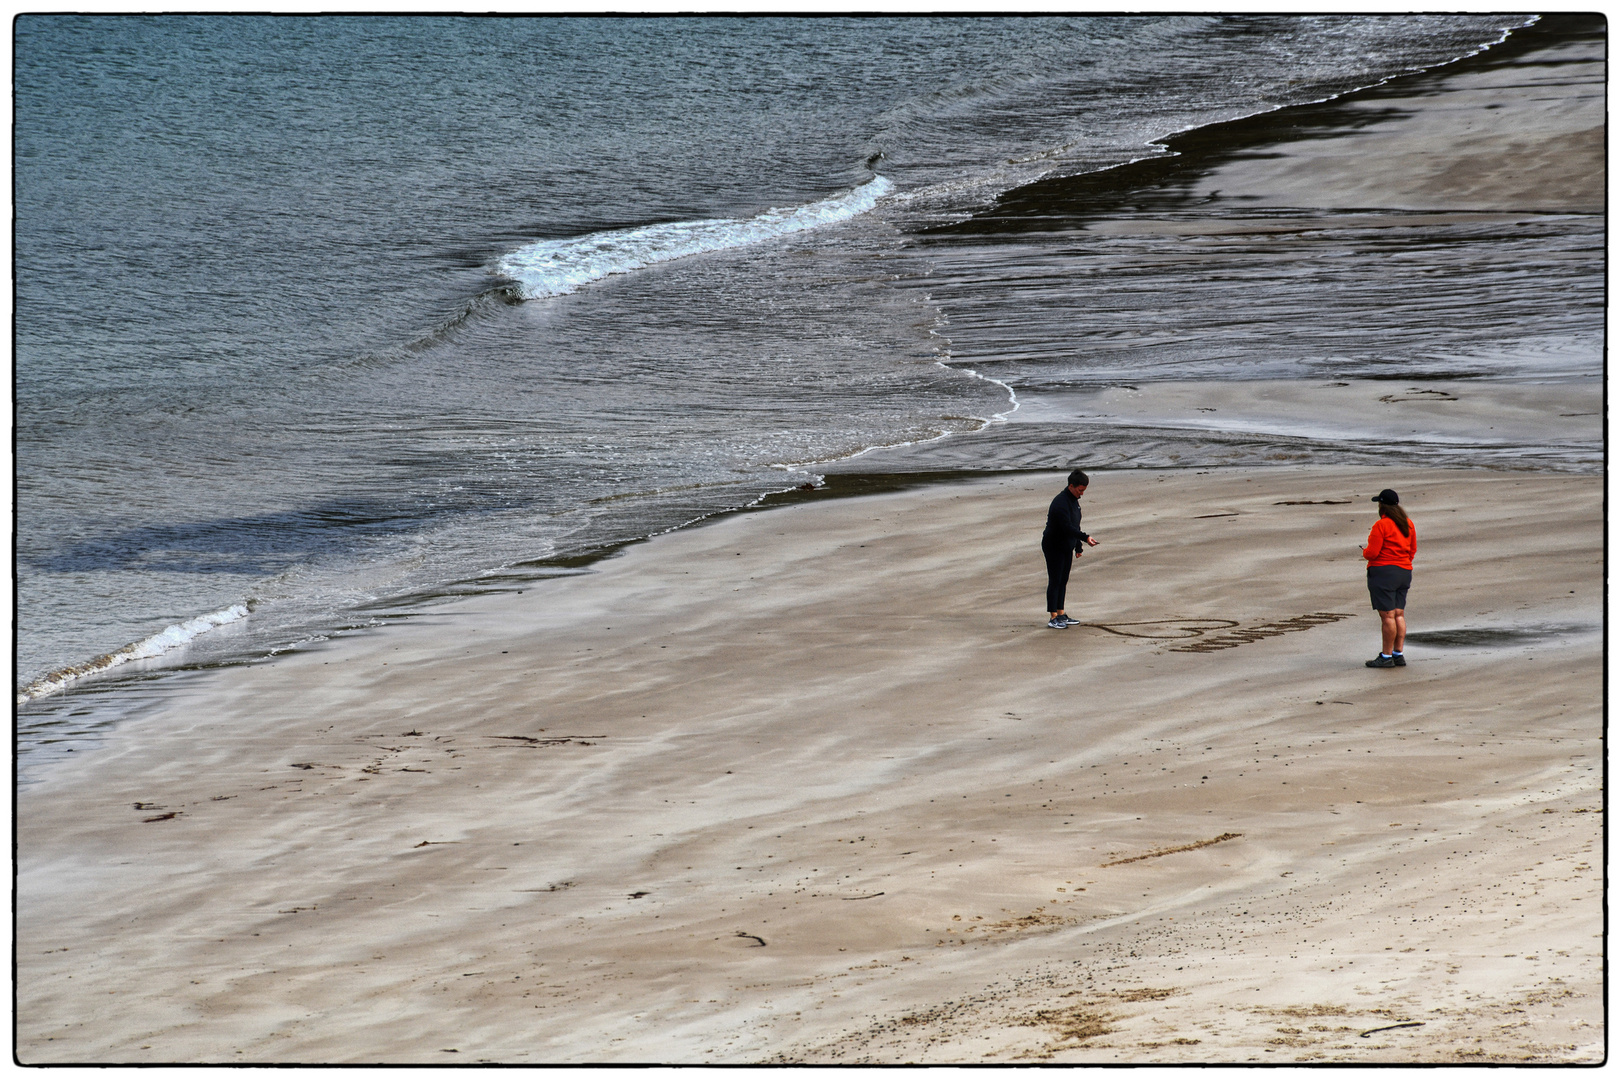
(815, 784)
(1544, 425)
(1436, 143)
(1462, 159)
(1518, 128)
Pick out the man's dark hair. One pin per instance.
(1079, 479)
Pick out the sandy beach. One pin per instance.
(815, 784)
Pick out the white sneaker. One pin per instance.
(1059, 622)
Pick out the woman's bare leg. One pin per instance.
(1400, 629)
(1389, 625)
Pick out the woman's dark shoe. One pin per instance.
(1382, 661)
(1400, 661)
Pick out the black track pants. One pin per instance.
(1058, 564)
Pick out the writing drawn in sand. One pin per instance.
(1227, 633)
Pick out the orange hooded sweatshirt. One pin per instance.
(1387, 547)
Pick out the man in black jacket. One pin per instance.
(1061, 544)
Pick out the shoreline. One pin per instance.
(95, 676)
(955, 452)
(1163, 181)
(403, 843)
(1152, 410)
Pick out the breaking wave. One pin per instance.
(556, 267)
(145, 649)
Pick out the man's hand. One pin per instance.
(1092, 540)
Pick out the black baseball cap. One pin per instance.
(1387, 496)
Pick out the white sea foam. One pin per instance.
(555, 267)
(145, 649)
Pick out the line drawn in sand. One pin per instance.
(1221, 839)
(1178, 628)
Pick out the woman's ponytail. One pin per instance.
(1394, 512)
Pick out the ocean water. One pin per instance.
(319, 320)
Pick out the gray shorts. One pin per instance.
(1388, 585)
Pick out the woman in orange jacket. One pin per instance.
(1389, 551)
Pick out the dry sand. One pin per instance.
(815, 784)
